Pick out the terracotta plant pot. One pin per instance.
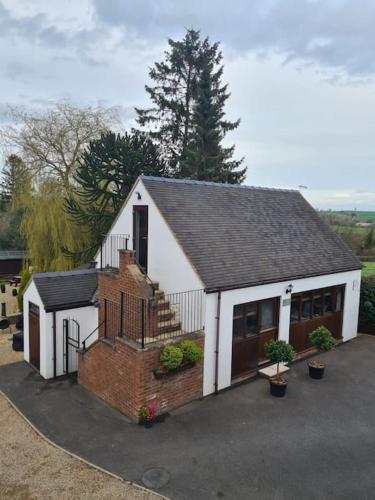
(278, 387)
(316, 370)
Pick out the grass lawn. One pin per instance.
(369, 269)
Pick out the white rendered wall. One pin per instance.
(87, 317)
(167, 263)
(229, 299)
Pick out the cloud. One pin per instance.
(336, 33)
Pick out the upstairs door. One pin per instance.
(140, 235)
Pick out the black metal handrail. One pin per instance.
(109, 250)
(148, 320)
(90, 334)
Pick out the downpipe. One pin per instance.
(218, 310)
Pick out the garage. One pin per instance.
(314, 308)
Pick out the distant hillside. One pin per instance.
(357, 216)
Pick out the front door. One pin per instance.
(140, 235)
(254, 324)
(34, 335)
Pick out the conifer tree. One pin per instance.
(206, 158)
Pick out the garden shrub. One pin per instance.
(14, 292)
(279, 351)
(25, 278)
(192, 353)
(2, 287)
(367, 306)
(171, 357)
(322, 339)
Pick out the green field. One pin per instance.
(369, 269)
(360, 215)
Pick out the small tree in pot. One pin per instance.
(279, 351)
(321, 339)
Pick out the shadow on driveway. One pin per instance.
(318, 442)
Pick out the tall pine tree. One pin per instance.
(205, 157)
(174, 94)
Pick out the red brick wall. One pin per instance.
(122, 375)
(130, 280)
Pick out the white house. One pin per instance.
(267, 266)
(59, 313)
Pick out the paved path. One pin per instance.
(317, 443)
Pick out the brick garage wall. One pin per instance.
(122, 375)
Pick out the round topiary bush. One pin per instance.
(322, 339)
(279, 351)
(14, 292)
(171, 357)
(191, 352)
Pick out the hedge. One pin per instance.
(367, 306)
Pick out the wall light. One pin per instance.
(139, 197)
(289, 288)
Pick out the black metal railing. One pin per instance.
(109, 251)
(161, 317)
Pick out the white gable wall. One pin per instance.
(167, 263)
(231, 298)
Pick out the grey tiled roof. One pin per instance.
(239, 236)
(66, 289)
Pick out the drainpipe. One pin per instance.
(54, 343)
(217, 341)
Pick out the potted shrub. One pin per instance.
(191, 352)
(171, 358)
(14, 292)
(279, 351)
(321, 339)
(2, 287)
(148, 414)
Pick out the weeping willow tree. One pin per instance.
(47, 228)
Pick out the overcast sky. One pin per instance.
(301, 75)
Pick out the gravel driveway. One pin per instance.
(7, 355)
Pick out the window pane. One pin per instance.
(328, 303)
(251, 308)
(339, 301)
(238, 310)
(238, 327)
(306, 308)
(268, 314)
(318, 305)
(294, 310)
(251, 324)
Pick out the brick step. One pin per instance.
(168, 326)
(166, 314)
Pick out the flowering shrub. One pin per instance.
(148, 412)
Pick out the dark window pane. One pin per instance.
(238, 328)
(318, 305)
(339, 301)
(251, 308)
(328, 306)
(251, 324)
(268, 314)
(238, 310)
(306, 308)
(294, 310)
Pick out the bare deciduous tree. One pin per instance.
(51, 142)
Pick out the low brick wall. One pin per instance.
(122, 375)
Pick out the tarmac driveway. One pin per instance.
(317, 443)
